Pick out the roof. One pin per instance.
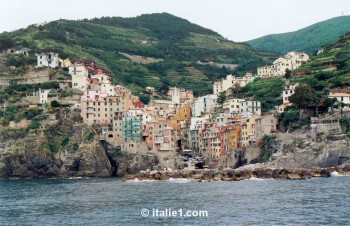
(339, 95)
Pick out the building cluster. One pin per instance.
(182, 124)
(291, 61)
(231, 82)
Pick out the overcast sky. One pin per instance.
(236, 20)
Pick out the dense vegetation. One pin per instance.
(178, 43)
(317, 78)
(308, 39)
(268, 91)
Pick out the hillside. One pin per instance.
(330, 69)
(308, 39)
(327, 71)
(170, 47)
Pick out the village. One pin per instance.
(176, 129)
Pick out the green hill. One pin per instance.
(157, 50)
(323, 73)
(308, 39)
(330, 69)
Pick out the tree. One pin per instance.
(221, 98)
(5, 43)
(35, 124)
(236, 88)
(329, 102)
(55, 104)
(304, 96)
(288, 74)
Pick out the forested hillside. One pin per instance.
(158, 50)
(308, 39)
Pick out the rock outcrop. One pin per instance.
(61, 150)
(308, 154)
(243, 173)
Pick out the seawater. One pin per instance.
(109, 201)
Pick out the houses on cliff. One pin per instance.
(200, 126)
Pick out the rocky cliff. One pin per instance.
(63, 149)
(295, 153)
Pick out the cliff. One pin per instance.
(64, 148)
(61, 150)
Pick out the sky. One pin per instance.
(237, 20)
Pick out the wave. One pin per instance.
(179, 180)
(170, 180)
(258, 179)
(337, 174)
(136, 180)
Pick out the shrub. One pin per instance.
(55, 104)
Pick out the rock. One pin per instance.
(199, 176)
(227, 179)
(164, 177)
(293, 176)
(217, 177)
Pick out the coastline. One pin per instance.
(242, 173)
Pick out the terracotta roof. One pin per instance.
(339, 95)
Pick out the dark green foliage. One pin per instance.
(33, 112)
(268, 91)
(35, 124)
(308, 39)
(75, 146)
(305, 96)
(221, 98)
(55, 104)
(144, 98)
(13, 61)
(345, 125)
(288, 74)
(90, 136)
(65, 142)
(9, 133)
(289, 115)
(5, 43)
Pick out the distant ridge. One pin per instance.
(308, 39)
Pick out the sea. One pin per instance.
(109, 201)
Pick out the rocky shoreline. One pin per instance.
(239, 174)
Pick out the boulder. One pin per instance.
(217, 177)
(293, 176)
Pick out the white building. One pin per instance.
(179, 95)
(80, 76)
(246, 107)
(230, 81)
(251, 106)
(47, 60)
(341, 97)
(103, 83)
(291, 61)
(288, 91)
(233, 105)
(44, 94)
(204, 104)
